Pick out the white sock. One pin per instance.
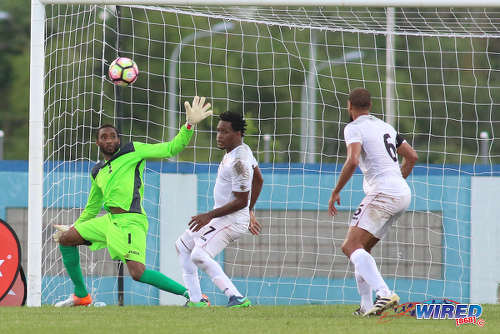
(214, 271)
(367, 269)
(189, 272)
(365, 291)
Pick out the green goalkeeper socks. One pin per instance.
(71, 260)
(162, 282)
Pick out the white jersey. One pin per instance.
(235, 174)
(378, 159)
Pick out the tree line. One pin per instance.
(446, 88)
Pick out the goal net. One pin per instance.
(289, 71)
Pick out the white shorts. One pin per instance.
(378, 212)
(215, 236)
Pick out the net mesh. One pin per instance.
(289, 71)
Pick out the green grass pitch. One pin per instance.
(255, 320)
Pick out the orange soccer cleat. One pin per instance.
(75, 301)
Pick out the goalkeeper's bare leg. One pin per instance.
(68, 242)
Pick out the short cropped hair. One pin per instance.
(106, 126)
(236, 120)
(360, 98)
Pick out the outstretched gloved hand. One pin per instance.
(198, 111)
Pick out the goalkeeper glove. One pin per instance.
(198, 112)
(60, 231)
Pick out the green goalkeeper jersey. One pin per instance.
(118, 182)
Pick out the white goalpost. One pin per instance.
(432, 68)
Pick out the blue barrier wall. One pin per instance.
(432, 191)
(287, 187)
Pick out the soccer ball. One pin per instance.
(123, 71)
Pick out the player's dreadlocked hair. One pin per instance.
(236, 120)
(106, 126)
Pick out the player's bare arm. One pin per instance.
(257, 182)
(410, 158)
(254, 227)
(240, 201)
(353, 152)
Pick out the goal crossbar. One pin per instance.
(330, 3)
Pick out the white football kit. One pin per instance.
(235, 174)
(387, 193)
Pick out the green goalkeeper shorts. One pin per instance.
(124, 235)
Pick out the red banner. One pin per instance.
(10, 257)
(17, 294)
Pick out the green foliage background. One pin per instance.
(14, 77)
(447, 88)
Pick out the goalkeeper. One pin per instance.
(117, 185)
